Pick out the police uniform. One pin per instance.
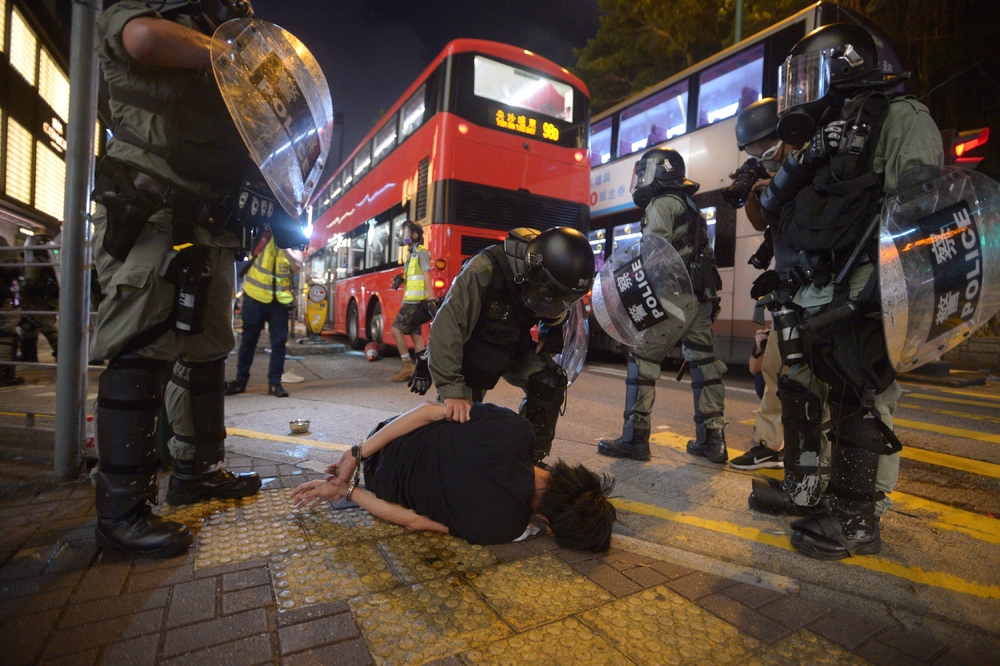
(674, 217)
(8, 321)
(847, 373)
(267, 297)
(39, 292)
(482, 332)
(175, 142)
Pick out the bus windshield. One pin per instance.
(526, 90)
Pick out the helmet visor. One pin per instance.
(547, 297)
(803, 79)
(644, 172)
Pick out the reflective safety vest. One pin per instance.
(416, 290)
(269, 277)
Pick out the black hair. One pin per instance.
(578, 508)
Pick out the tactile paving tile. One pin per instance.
(241, 529)
(565, 642)
(328, 574)
(535, 590)
(351, 525)
(804, 647)
(657, 626)
(425, 621)
(420, 556)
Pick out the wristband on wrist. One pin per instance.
(755, 353)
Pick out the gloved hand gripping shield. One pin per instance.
(280, 101)
(643, 295)
(939, 265)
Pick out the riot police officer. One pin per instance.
(660, 188)
(863, 145)
(175, 159)
(39, 292)
(482, 331)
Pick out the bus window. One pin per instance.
(356, 259)
(597, 244)
(731, 85)
(343, 252)
(384, 141)
(363, 161)
(709, 215)
(516, 87)
(396, 246)
(657, 118)
(377, 253)
(600, 141)
(625, 236)
(411, 115)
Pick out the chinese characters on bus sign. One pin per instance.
(637, 296)
(526, 125)
(951, 241)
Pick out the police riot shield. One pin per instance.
(279, 98)
(576, 341)
(643, 295)
(939, 265)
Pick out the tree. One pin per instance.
(641, 42)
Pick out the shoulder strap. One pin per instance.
(503, 280)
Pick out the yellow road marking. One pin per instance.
(957, 401)
(988, 396)
(315, 443)
(931, 578)
(948, 412)
(972, 524)
(947, 430)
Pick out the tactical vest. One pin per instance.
(821, 226)
(269, 277)
(202, 142)
(696, 251)
(415, 290)
(502, 334)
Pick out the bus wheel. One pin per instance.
(376, 325)
(353, 333)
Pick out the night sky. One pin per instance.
(372, 50)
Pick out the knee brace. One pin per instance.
(205, 384)
(801, 416)
(699, 382)
(544, 397)
(129, 397)
(857, 445)
(635, 387)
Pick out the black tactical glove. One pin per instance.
(551, 337)
(397, 281)
(420, 380)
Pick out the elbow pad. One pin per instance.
(793, 175)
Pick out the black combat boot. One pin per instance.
(142, 533)
(636, 446)
(712, 448)
(850, 527)
(187, 485)
(769, 496)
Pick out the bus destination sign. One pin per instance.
(526, 125)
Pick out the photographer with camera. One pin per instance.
(757, 135)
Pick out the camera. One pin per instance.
(743, 181)
(761, 259)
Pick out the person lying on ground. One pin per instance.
(473, 480)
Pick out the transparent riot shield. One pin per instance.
(279, 98)
(576, 341)
(643, 295)
(939, 265)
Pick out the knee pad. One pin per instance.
(205, 384)
(801, 416)
(858, 444)
(129, 398)
(544, 396)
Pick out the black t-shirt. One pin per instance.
(475, 477)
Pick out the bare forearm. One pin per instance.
(161, 43)
(417, 417)
(394, 513)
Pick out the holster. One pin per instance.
(128, 207)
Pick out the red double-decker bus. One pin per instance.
(489, 138)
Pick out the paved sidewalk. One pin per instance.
(269, 584)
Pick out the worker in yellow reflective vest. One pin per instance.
(418, 287)
(267, 299)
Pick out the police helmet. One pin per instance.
(658, 169)
(757, 121)
(407, 228)
(820, 72)
(559, 271)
